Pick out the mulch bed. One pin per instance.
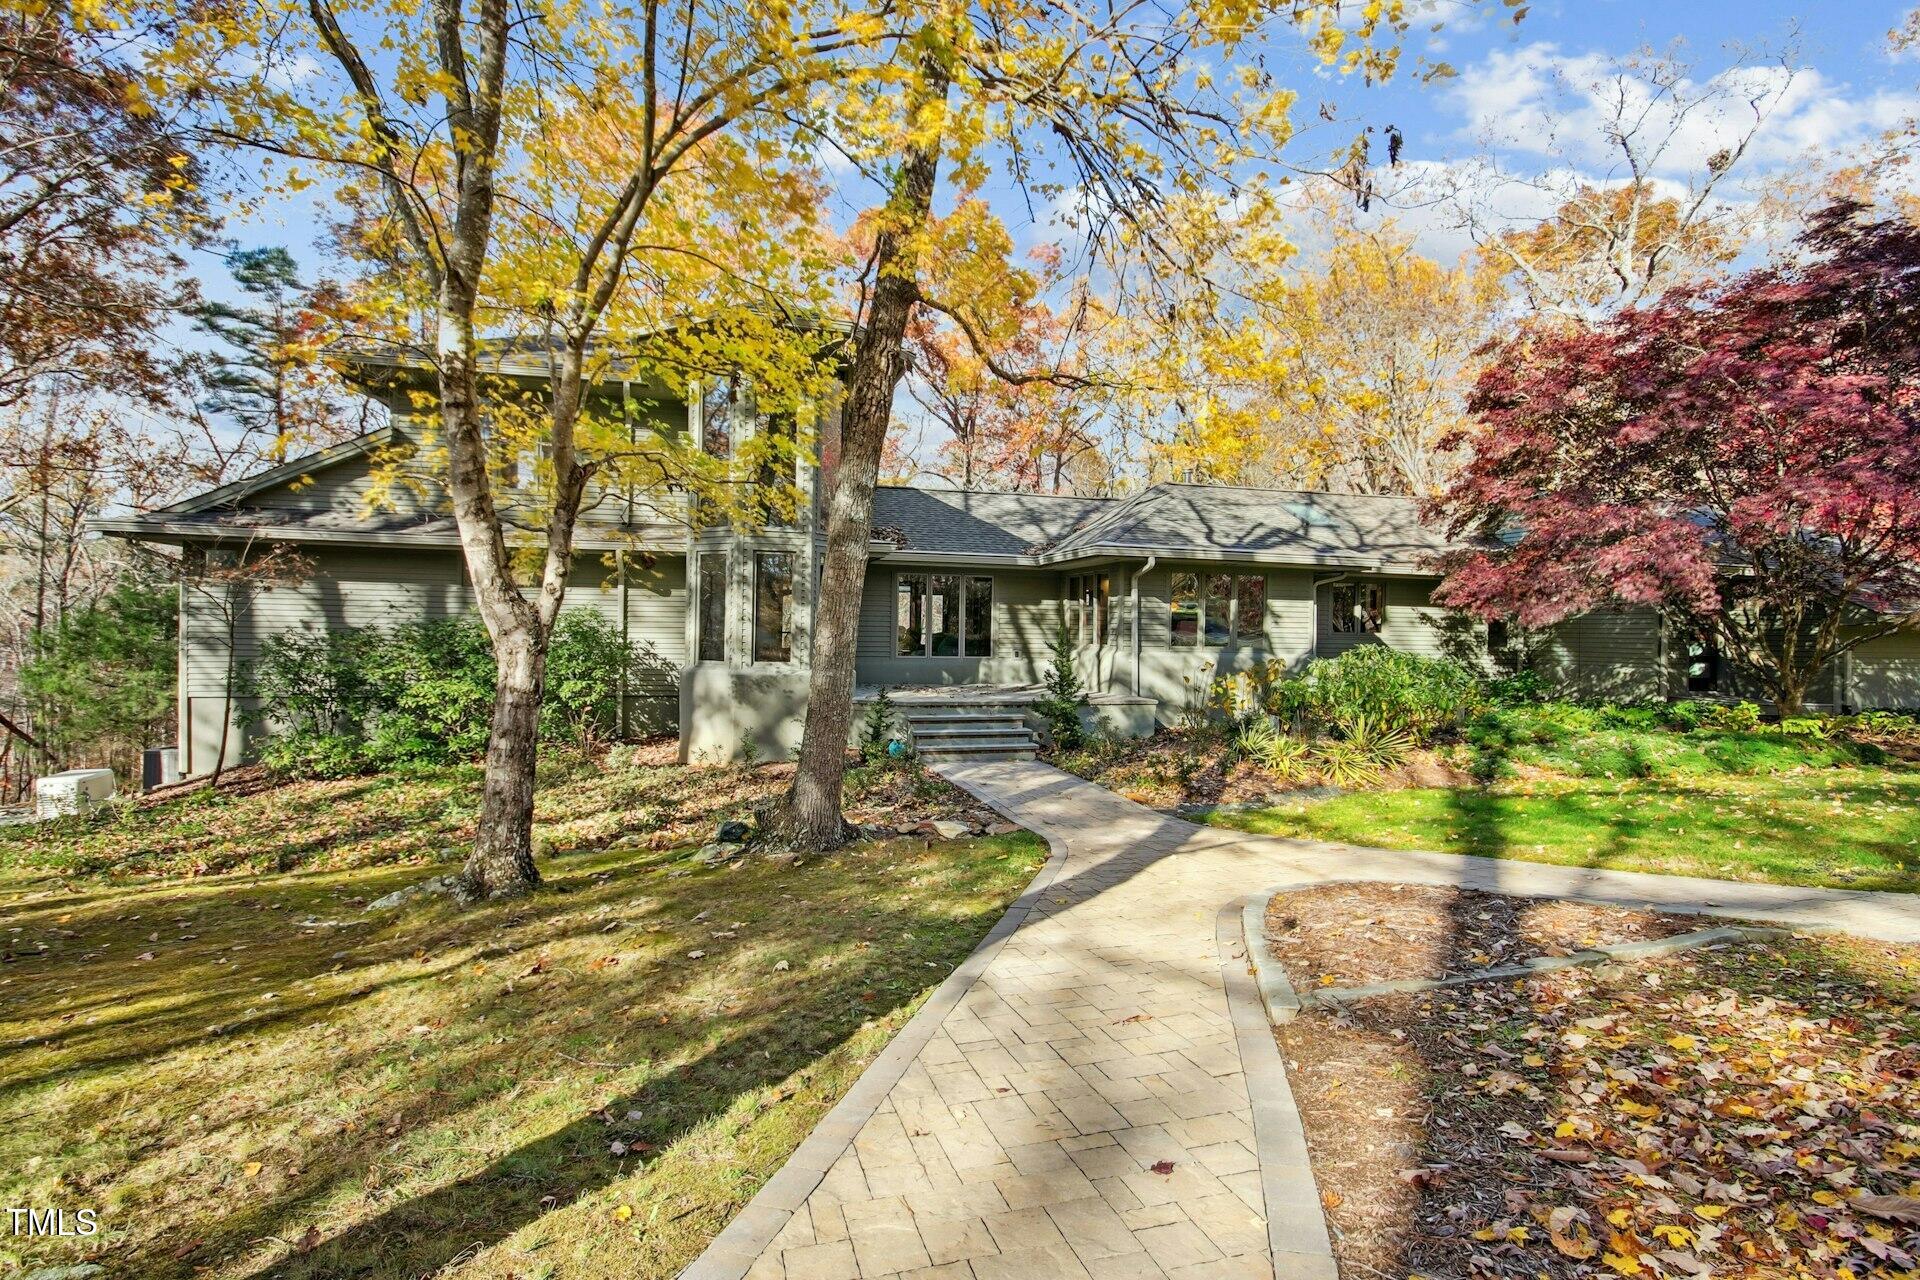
(1750, 1110)
(1350, 935)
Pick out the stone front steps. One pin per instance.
(940, 734)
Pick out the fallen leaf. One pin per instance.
(251, 1168)
(1162, 1166)
(1893, 1208)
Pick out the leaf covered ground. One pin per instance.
(249, 1074)
(1748, 1111)
(625, 794)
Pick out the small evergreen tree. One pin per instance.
(1065, 695)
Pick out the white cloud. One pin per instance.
(1542, 103)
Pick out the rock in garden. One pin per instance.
(425, 889)
(732, 831)
(712, 855)
(948, 829)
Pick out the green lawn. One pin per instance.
(248, 1075)
(1856, 828)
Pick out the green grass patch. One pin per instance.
(247, 1074)
(1856, 828)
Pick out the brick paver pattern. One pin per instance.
(1082, 1112)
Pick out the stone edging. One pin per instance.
(732, 1253)
(1297, 1233)
(1283, 1002)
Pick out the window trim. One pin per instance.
(926, 577)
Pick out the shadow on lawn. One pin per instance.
(855, 956)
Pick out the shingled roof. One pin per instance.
(1172, 520)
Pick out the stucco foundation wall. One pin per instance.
(354, 588)
(724, 708)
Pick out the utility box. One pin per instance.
(159, 767)
(73, 791)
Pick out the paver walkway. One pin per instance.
(1012, 1131)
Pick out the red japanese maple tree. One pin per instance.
(1743, 458)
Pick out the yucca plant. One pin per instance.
(1380, 744)
(1278, 754)
(1344, 763)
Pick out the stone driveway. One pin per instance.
(1095, 1093)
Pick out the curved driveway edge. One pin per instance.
(1096, 1092)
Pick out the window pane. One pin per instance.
(979, 617)
(717, 397)
(1345, 605)
(773, 606)
(1186, 609)
(1089, 606)
(1100, 597)
(1250, 594)
(713, 608)
(1219, 601)
(910, 613)
(943, 615)
(1373, 608)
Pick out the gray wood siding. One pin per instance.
(1026, 614)
(355, 588)
(1615, 656)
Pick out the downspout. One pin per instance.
(1135, 611)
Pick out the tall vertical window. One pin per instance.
(718, 397)
(979, 622)
(711, 614)
(1249, 608)
(1219, 608)
(773, 606)
(910, 613)
(943, 615)
(1102, 595)
(1186, 609)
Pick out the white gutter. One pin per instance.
(1137, 574)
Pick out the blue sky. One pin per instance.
(1519, 96)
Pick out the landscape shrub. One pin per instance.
(1421, 697)
(1060, 707)
(421, 693)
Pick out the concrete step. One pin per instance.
(970, 729)
(981, 751)
(964, 717)
(979, 742)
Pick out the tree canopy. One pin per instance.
(1744, 458)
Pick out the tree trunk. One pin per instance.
(501, 864)
(811, 814)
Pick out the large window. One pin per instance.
(910, 614)
(1249, 608)
(711, 614)
(1186, 609)
(943, 615)
(718, 400)
(1217, 609)
(773, 606)
(1358, 607)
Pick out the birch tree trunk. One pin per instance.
(811, 814)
